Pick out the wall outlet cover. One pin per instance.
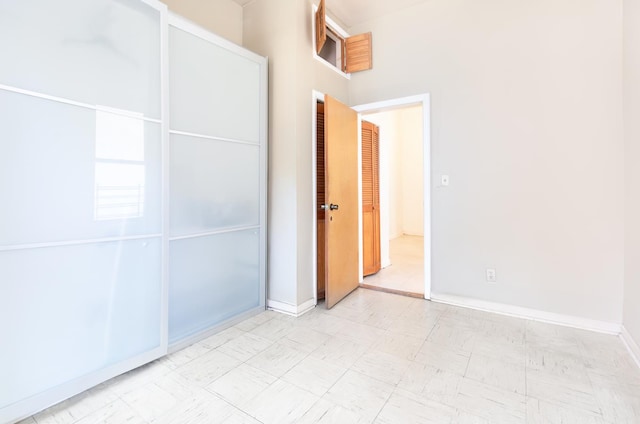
(491, 275)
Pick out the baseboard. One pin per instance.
(527, 313)
(392, 291)
(289, 309)
(632, 345)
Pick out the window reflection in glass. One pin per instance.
(120, 166)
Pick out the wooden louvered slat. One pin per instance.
(358, 53)
(320, 198)
(320, 165)
(375, 142)
(370, 198)
(375, 149)
(368, 182)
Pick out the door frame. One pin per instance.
(421, 99)
(425, 101)
(316, 96)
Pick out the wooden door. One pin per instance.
(341, 194)
(370, 198)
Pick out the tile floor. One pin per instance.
(406, 272)
(375, 358)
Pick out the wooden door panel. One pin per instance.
(341, 189)
(370, 199)
(368, 248)
(375, 157)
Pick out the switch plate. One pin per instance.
(491, 275)
(444, 180)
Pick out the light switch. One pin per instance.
(444, 180)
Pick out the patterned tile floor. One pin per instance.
(375, 358)
(406, 272)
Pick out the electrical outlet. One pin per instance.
(491, 275)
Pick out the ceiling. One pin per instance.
(353, 12)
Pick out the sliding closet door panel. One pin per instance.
(73, 173)
(217, 172)
(218, 94)
(214, 184)
(100, 52)
(83, 217)
(213, 278)
(70, 310)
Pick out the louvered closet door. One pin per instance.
(370, 198)
(217, 181)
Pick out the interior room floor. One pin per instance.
(406, 272)
(375, 357)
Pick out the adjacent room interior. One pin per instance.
(401, 200)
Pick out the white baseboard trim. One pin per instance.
(289, 309)
(527, 313)
(632, 345)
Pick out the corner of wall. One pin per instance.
(631, 85)
(632, 346)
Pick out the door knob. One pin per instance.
(333, 207)
(324, 207)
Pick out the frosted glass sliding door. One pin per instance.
(224, 269)
(74, 309)
(82, 295)
(119, 231)
(217, 181)
(98, 52)
(214, 185)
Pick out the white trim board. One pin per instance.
(527, 313)
(288, 309)
(316, 96)
(631, 344)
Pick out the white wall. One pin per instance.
(267, 32)
(282, 30)
(526, 120)
(412, 164)
(632, 167)
(401, 167)
(222, 17)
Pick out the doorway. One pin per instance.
(409, 255)
(418, 260)
(401, 205)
